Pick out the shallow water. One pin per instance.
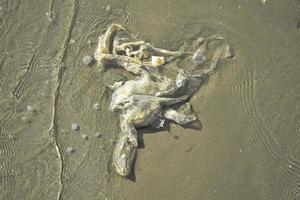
(249, 144)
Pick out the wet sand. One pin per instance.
(249, 143)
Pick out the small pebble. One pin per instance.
(87, 60)
(70, 150)
(102, 147)
(75, 127)
(112, 141)
(51, 16)
(29, 108)
(98, 134)
(84, 136)
(72, 41)
(96, 106)
(108, 9)
(175, 137)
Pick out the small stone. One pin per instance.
(112, 141)
(298, 24)
(87, 60)
(72, 41)
(75, 127)
(51, 16)
(96, 106)
(98, 134)
(175, 137)
(263, 1)
(108, 9)
(84, 136)
(70, 150)
(102, 147)
(29, 108)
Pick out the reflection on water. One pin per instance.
(248, 147)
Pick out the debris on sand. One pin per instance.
(146, 100)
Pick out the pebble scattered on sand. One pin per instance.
(108, 9)
(96, 106)
(263, 1)
(70, 150)
(102, 147)
(29, 108)
(84, 136)
(112, 141)
(88, 60)
(51, 16)
(98, 134)
(75, 127)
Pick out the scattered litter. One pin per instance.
(75, 127)
(148, 97)
(88, 60)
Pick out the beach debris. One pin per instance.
(70, 150)
(147, 99)
(84, 136)
(75, 127)
(96, 106)
(88, 60)
(98, 135)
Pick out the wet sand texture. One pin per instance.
(248, 147)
